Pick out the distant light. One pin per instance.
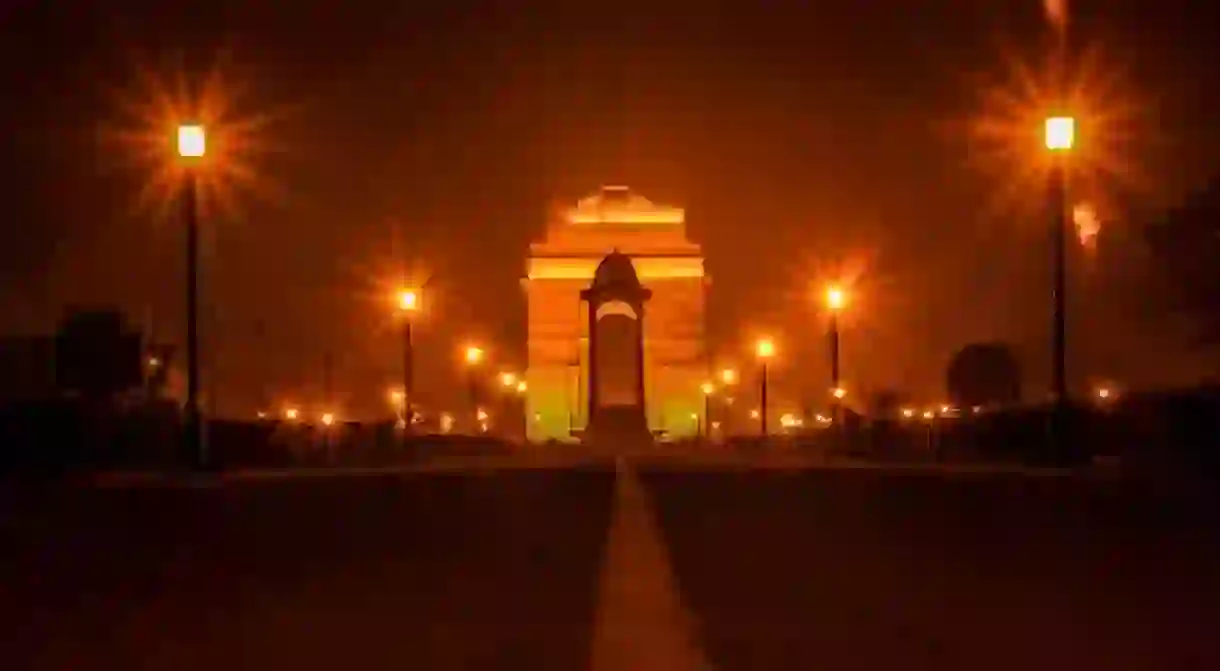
(715, 426)
(153, 362)
(192, 141)
(262, 414)
(474, 355)
(944, 409)
(446, 422)
(928, 414)
(839, 392)
(408, 300)
(908, 412)
(481, 415)
(976, 409)
(508, 379)
(1060, 133)
(765, 348)
(728, 376)
(396, 396)
(328, 418)
(537, 417)
(754, 414)
(694, 416)
(1103, 393)
(292, 414)
(707, 388)
(835, 298)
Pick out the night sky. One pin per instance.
(797, 135)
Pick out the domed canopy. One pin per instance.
(615, 278)
(616, 270)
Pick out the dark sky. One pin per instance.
(794, 134)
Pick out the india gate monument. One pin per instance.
(615, 296)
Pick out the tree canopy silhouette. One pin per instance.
(1185, 249)
(983, 374)
(96, 354)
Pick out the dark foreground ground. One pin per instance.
(778, 570)
(409, 572)
(859, 570)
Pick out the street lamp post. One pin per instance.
(728, 377)
(192, 144)
(708, 389)
(474, 356)
(408, 304)
(765, 349)
(835, 299)
(1060, 136)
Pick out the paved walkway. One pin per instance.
(641, 623)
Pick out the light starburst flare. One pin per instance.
(141, 133)
(1114, 126)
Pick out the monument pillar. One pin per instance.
(617, 420)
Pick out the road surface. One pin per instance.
(605, 566)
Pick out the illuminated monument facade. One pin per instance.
(670, 267)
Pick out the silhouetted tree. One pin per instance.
(97, 355)
(1185, 249)
(984, 374)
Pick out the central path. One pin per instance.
(641, 623)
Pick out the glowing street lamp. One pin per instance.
(765, 349)
(292, 414)
(192, 141)
(522, 387)
(728, 376)
(192, 144)
(839, 393)
(708, 389)
(508, 380)
(408, 305)
(1060, 138)
(473, 356)
(1060, 133)
(408, 300)
(836, 299)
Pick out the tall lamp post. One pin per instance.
(522, 388)
(728, 378)
(1060, 136)
(408, 305)
(835, 300)
(474, 357)
(192, 144)
(708, 389)
(764, 349)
